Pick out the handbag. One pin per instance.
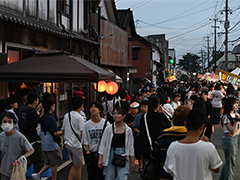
(56, 139)
(118, 160)
(18, 173)
(149, 169)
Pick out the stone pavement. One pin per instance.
(216, 139)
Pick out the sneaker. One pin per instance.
(35, 176)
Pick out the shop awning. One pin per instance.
(53, 66)
(118, 79)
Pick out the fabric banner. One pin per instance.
(171, 78)
(229, 78)
(209, 77)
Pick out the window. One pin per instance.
(135, 50)
(13, 56)
(66, 7)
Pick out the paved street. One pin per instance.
(216, 139)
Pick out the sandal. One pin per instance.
(140, 170)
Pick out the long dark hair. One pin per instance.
(153, 101)
(228, 108)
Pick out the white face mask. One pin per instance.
(7, 127)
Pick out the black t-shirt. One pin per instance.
(156, 124)
(129, 119)
(28, 123)
(124, 104)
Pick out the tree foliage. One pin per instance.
(190, 62)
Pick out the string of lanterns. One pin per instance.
(111, 87)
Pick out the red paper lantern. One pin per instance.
(112, 88)
(101, 86)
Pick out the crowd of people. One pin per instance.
(169, 126)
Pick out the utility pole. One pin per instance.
(208, 52)
(202, 54)
(215, 42)
(226, 26)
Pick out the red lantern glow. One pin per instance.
(101, 86)
(112, 88)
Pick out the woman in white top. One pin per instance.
(230, 139)
(117, 139)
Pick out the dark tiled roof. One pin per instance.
(124, 18)
(16, 18)
(236, 49)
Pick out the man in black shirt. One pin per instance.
(123, 102)
(134, 109)
(28, 124)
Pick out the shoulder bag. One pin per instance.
(69, 115)
(118, 160)
(149, 169)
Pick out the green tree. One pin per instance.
(190, 62)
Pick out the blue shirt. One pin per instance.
(48, 144)
(136, 122)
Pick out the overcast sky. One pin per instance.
(185, 22)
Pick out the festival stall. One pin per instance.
(228, 77)
(208, 76)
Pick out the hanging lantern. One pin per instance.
(101, 86)
(112, 88)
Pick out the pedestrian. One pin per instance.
(13, 145)
(216, 97)
(199, 103)
(175, 100)
(138, 144)
(192, 99)
(108, 108)
(174, 133)
(11, 106)
(156, 123)
(134, 109)
(72, 130)
(23, 93)
(82, 113)
(211, 87)
(191, 158)
(91, 138)
(29, 125)
(49, 132)
(123, 102)
(117, 141)
(231, 131)
(209, 109)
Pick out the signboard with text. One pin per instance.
(171, 78)
(229, 78)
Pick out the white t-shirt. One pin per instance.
(225, 120)
(192, 161)
(92, 134)
(216, 97)
(175, 105)
(77, 124)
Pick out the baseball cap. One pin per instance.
(134, 105)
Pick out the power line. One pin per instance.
(142, 4)
(188, 31)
